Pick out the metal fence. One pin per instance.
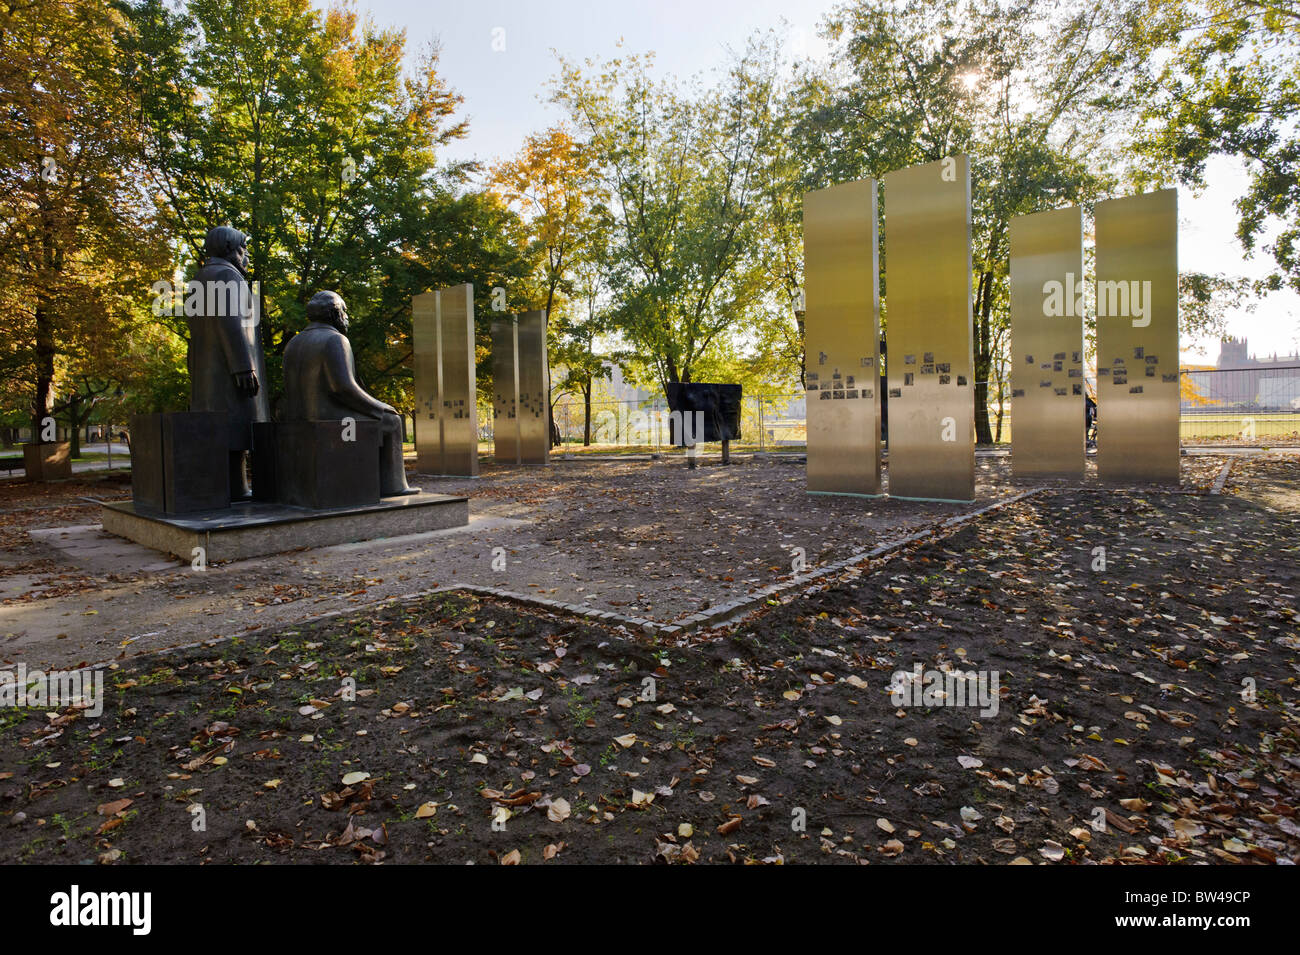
(766, 422)
(1259, 405)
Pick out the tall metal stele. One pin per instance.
(1138, 392)
(928, 314)
(442, 334)
(1047, 386)
(842, 335)
(521, 400)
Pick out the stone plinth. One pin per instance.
(253, 529)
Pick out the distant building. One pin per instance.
(1234, 354)
(622, 390)
(1240, 381)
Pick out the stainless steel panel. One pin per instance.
(531, 377)
(505, 390)
(457, 406)
(424, 345)
(1047, 387)
(928, 331)
(1137, 338)
(842, 338)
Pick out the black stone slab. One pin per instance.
(147, 462)
(720, 404)
(196, 461)
(179, 461)
(262, 460)
(316, 467)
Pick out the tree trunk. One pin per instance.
(983, 362)
(550, 408)
(74, 427)
(43, 401)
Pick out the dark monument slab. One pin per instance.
(147, 462)
(318, 466)
(262, 462)
(179, 461)
(719, 404)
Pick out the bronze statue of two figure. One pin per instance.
(333, 444)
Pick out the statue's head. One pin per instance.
(223, 242)
(328, 309)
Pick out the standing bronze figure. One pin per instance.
(226, 365)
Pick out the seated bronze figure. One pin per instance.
(320, 385)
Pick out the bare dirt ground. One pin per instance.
(1146, 713)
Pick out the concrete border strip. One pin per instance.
(726, 613)
(1222, 479)
(715, 616)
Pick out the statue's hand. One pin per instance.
(389, 409)
(246, 383)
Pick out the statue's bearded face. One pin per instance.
(239, 259)
(341, 316)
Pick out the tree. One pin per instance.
(683, 172)
(76, 234)
(581, 326)
(787, 176)
(551, 184)
(1222, 77)
(574, 350)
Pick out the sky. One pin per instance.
(500, 54)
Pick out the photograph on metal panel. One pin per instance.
(847, 433)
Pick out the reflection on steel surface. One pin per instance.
(1137, 338)
(424, 346)
(521, 400)
(446, 431)
(534, 400)
(928, 315)
(505, 390)
(1047, 386)
(841, 336)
